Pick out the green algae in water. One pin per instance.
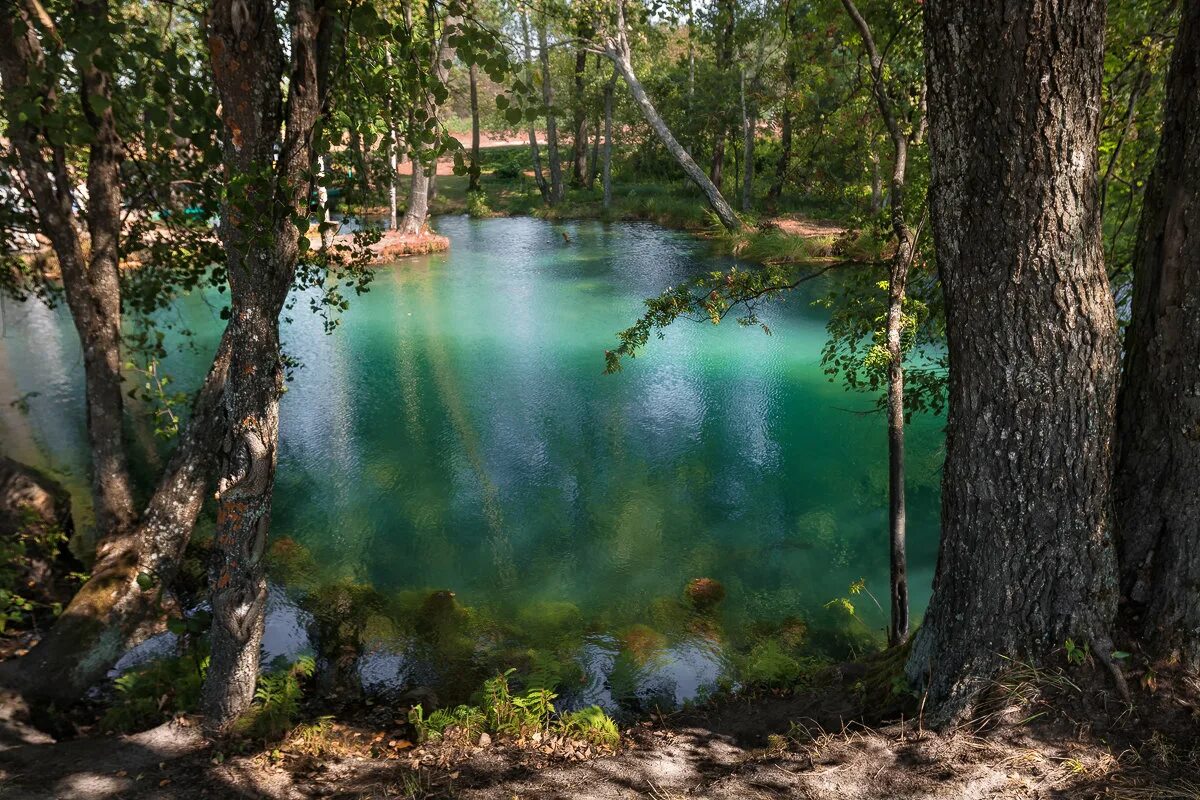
(456, 433)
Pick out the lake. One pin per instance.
(460, 488)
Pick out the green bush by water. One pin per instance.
(501, 712)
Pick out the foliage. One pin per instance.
(277, 700)
(710, 297)
(147, 695)
(33, 541)
(501, 712)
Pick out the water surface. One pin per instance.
(456, 434)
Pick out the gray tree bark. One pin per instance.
(473, 172)
(110, 612)
(421, 189)
(538, 177)
(1158, 465)
(262, 245)
(1026, 558)
(91, 279)
(556, 176)
(617, 49)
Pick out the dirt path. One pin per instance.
(771, 747)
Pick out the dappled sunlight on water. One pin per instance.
(456, 434)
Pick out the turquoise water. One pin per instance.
(457, 433)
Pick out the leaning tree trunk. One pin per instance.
(1158, 468)
(110, 613)
(618, 51)
(556, 176)
(261, 243)
(1026, 558)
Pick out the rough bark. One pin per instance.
(110, 613)
(556, 177)
(261, 243)
(90, 277)
(1158, 466)
(1026, 558)
(617, 49)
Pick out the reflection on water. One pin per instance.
(456, 436)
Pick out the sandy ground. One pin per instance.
(1028, 745)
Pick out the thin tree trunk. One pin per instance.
(556, 178)
(1026, 557)
(618, 51)
(261, 243)
(579, 169)
(594, 161)
(897, 284)
(393, 164)
(1158, 464)
(326, 227)
(473, 171)
(691, 49)
(785, 135)
(609, 89)
(748, 126)
(726, 10)
(423, 185)
(538, 177)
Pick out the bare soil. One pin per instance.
(1035, 736)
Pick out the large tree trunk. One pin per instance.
(262, 246)
(1158, 468)
(1026, 557)
(91, 279)
(556, 177)
(617, 49)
